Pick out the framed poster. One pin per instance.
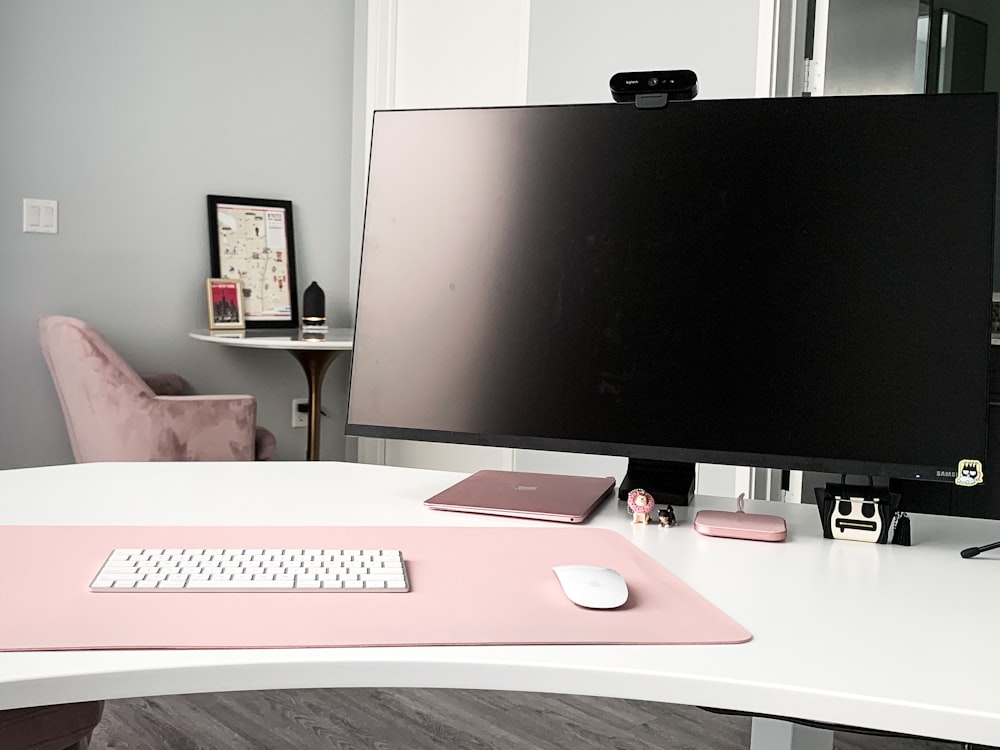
(225, 303)
(252, 241)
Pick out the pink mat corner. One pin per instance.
(469, 586)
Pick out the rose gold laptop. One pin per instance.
(543, 497)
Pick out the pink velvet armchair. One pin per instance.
(113, 414)
(67, 726)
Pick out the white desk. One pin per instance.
(893, 638)
(314, 354)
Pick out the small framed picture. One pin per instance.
(225, 303)
(253, 240)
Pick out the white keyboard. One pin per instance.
(242, 570)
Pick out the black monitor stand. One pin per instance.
(669, 482)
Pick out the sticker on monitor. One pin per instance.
(970, 472)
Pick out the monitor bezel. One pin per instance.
(856, 467)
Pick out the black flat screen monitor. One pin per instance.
(791, 283)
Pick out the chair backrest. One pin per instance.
(99, 393)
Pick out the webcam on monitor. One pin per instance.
(654, 88)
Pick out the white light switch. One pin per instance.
(41, 216)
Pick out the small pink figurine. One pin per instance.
(640, 505)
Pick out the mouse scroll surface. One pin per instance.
(592, 586)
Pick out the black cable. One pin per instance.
(973, 551)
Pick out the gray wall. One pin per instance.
(128, 114)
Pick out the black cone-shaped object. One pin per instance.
(313, 306)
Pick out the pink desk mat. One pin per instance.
(469, 586)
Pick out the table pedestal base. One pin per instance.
(314, 363)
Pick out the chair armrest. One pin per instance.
(166, 384)
(176, 428)
(205, 428)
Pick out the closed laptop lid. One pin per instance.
(547, 497)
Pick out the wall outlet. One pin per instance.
(300, 412)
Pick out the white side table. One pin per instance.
(314, 354)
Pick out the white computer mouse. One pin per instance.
(592, 586)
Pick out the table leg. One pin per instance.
(315, 363)
(773, 734)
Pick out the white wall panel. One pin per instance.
(577, 45)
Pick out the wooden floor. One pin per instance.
(429, 720)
